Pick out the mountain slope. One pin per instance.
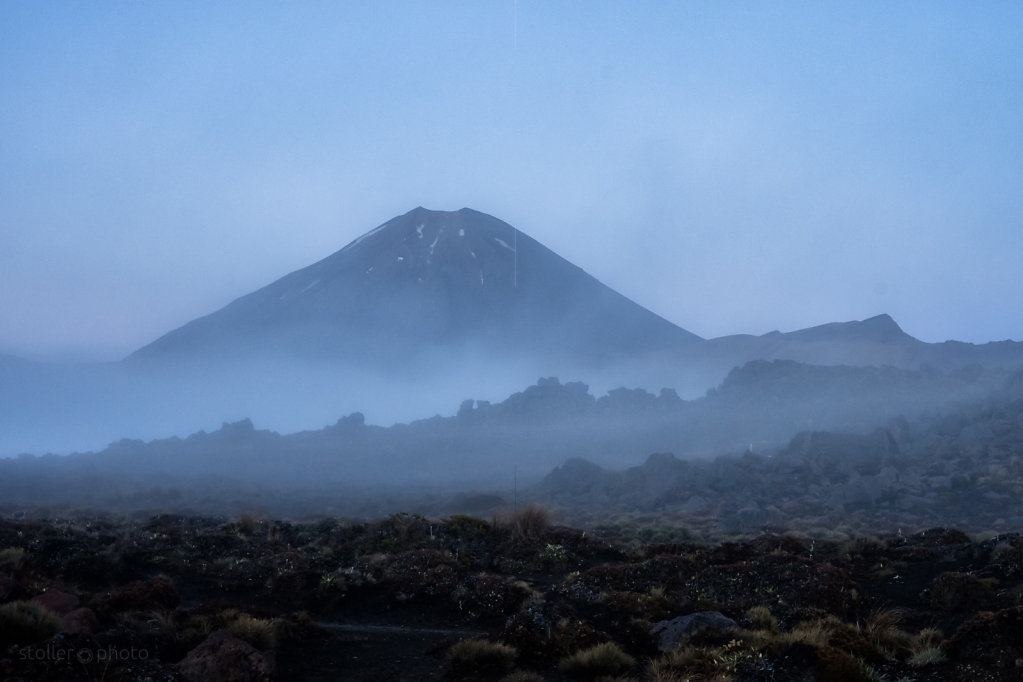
(876, 342)
(427, 280)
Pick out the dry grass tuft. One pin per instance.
(258, 632)
(596, 661)
(24, 623)
(761, 618)
(927, 657)
(532, 522)
(883, 631)
(481, 655)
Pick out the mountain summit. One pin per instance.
(878, 329)
(424, 281)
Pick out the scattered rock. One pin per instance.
(671, 633)
(224, 657)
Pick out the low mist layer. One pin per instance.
(496, 446)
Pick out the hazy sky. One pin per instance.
(734, 166)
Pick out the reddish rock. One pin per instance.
(57, 601)
(81, 621)
(224, 657)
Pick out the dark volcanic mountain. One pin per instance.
(412, 318)
(424, 281)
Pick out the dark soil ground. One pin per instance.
(92, 597)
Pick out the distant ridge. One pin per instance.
(880, 329)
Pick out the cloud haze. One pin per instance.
(733, 168)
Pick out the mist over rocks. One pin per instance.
(960, 468)
(433, 306)
(754, 445)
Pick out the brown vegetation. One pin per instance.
(520, 600)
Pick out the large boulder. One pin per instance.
(672, 633)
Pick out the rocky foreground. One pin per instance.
(517, 599)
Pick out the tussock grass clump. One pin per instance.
(878, 639)
(23, 623)
(927, 639)
(926, 657)
(481, 655)
(815, 633)
(688, 663)
(602, 659)
(761, 618)
(532, 522)
(882, 628)
(258, 632)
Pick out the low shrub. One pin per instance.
(956, 591)
(24, 623)
(553, 554)
(602, 659)
(927, 639)
(926, 657)
(889, 640)
(258, 632)
(761, 618)
(468, 527)
(481, 655)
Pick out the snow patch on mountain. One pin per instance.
(366, 236)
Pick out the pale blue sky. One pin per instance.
(735, 167)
